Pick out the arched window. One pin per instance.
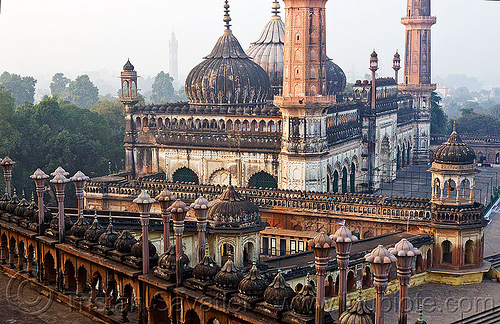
(367, 278)
(254, 126)
(226, 250)
(271, 126)
(446, 250)
(237, 125)
(352, 178)
(344, 180)
(469, 252)
(205, 125)
(125, 92)
(246, 126)
(229, 125)
(263, 180)
(138, 123)
(262, 126)
(185, 175)
(335, 181)
(280, 126)
(191, 317)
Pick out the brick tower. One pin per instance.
(304, 96)
(417, 76)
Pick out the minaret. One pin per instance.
(304, 97)
(417, 71)
(129, 98)
(174, 57)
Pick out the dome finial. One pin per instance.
(454, 126)
(227, 17)
(275, 7)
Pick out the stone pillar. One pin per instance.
(144, 203)
(3, 252)
(12, 255)
(79, 289)
(343, 239)
(59, 181)
(79, 180)
(405, 254)
(20, 260)
(165, 198)
(39, 177)
(29, 263)
(178, 211)
(321, 246)
(201, 206)
(381, 261)
(7, 165)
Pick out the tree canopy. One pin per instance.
(22, 88)
(58, 84)
(439, 119)
(82, 92)
(162, 89)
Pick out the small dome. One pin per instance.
(454, 151)
(279, 293)
(304, 302)
(229, 276)
(206, 270)
(109, 237)
(128, 66)
(357, 313)
(31, 212)
(21, 207)
(167, 259)
(12, 204)
(335, 78)
(80, 227)
(231, 211)
(94, 231)
(125, 242)
(136, 249)
(253, 284)
(4, 201)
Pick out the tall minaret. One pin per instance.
(302, 164)
(174, 57)
(417, 76)
(129, 97)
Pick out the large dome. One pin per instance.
(454, 151)
(227, 75)
(335, 78)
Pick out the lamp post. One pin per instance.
(396, 65)
(201, 206)
(381, 261)
(321, 246)
(79, 180)
(371, 123)
(178, 211)
(343, 239)
(7, 165)
(40, 177)
(165, 198)
(144, 203)
(405, 254)
(59, 181)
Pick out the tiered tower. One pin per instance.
(304, 97)
(129, 98)
(417, 77)
(174, 57)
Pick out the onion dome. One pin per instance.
(454, 151)
(167, 259)
(136, 249)
(253, 284)
(94, 231)
(13, 202)
(357, 313)
(279, 293)
(335, 78)
(109, 237)
(125, 242)
(206, 270)
(4, 201)
(268, 50)
(128, 66)
(304, 303)
(231, 211)
(229, 276)
(32, 210)
(227, 75)
(21, 207)
(404, 249)
(81, 226)
(380, 255)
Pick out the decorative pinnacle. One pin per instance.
(454, 126)
(275, 7)
(227, 17)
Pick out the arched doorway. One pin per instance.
(329, 286)
(352, 178)
(403, 157)
(398, 159)
(249, 254)
(429, 259)
(49, 270)
(263, 180)
(69, 277)
(351, 282)
(185, 175)
(191, 317)
(226, 250)
(81, 284)
(469, 252)
(446, 250)
(335, 181)
(367, 278)
(159, 311)
(344, 180)
(419, 264)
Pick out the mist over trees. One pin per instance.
(22, 88)
(162, 90)
(58, 84)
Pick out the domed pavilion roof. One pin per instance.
(357, 313)
(454, 151)
(227, 75)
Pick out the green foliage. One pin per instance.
(82, 92)
(478, 124)
(22, 88)
(163, 89)
(495, 110)
(58, 84)
(439, 119)
(57, 133)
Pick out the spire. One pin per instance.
(227, 17)
(275, 7)
(454, 126)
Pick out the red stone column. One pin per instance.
(178, 211)
(144, 203)
(39, 177)
(201, 206)
(79, 180)
(7, 165)
(59, 181)
(165, 198)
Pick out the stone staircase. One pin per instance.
(489, 316)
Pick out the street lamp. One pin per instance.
(79, 180)
(59, 181)
(381, 261)
(144, 203)
(343, 239)
(165, 198)
(60, 170)
(405, 255)
(178, 211)
(40, 177)
(321, 246)
(201, 206)
(371, 123)
(7, 165)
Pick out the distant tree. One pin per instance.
(162, 89)
(439, 119)
(181, 94)
(82, 92)
(461, 94)
(58, 84)
(495, 111)
(9, 136)
(478, 124)
(22, 88)
(470, 108)
(112, 111)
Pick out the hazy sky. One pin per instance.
(42, 37)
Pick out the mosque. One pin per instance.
(278, 114)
